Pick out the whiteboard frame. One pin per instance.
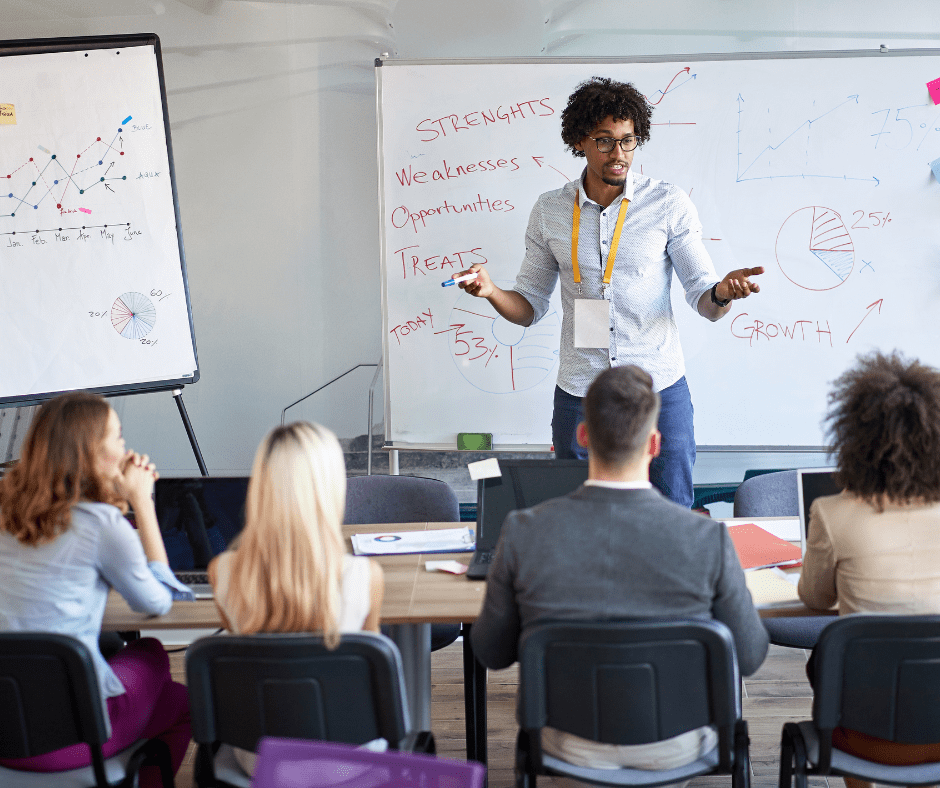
(380, 63)
(39, 46)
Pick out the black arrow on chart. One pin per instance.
(878, 304)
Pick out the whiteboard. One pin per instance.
(814, 165)
(94, 292)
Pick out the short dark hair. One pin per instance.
(597, 98)
(884, 428)
(620, 409)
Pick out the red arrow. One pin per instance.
(869, 308)
(663, 95)
(538, 160)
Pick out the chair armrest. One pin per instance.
(418, 741)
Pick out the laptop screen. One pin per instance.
(811, 483)
(199, 517)
(523, 483)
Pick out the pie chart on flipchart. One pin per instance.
(133, 315)
(814, 249)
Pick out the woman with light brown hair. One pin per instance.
(64, 543)
(289, 571)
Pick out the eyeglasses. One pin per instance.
(606, 144)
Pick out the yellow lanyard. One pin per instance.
(575, 229)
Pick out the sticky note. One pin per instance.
(484, 469)
(935, 166)
(7, 115)
(934, 89)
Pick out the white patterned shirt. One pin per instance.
(661, 234)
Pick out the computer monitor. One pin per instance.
(811, 483)
(523, 483)
(199, 516)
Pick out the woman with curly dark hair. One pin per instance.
(613, 238)
(875, 547)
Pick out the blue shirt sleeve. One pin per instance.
(539, 272)
(124, 566)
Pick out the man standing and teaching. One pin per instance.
(614, 238)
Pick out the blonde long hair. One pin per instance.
(287, 568)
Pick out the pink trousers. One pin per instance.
(153, 706)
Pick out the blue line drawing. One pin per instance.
(805, 125)
(672, 87)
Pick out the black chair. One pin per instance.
(774, 494)
(244, 687)
(404, 499)
(49, 699)
(879, 675)
(630, 683)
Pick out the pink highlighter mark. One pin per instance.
(934, 89)
(85, 210)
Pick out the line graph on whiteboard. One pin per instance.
(795, 152)
(497, 356)
(51, 184)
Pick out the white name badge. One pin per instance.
(592, 323)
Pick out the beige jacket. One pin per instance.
(872, 562)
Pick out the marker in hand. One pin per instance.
(466, 278)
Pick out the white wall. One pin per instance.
(272, 110)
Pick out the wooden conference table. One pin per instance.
(416, 598)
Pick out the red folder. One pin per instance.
(758, 549)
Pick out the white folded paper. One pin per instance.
(484, 469)
(452, 567)
(446, 540)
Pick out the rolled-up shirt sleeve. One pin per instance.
(690, 259)
(122, 563)
(539, 272)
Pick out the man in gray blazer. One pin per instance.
(616, 549)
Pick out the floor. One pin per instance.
(777, 693)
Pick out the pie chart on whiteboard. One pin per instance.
(814, 249)
(133, 315)
(497, 356)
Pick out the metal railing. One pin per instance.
(375, 378)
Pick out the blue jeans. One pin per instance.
(671, 471)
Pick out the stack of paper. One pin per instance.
(447, 540)
(758, 549)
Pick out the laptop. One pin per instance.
(199, 517)
(811, 483)
(523, 483)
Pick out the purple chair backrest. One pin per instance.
(301, 763)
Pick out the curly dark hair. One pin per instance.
(884, 428)
(595, 99)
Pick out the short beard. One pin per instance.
(611, 181)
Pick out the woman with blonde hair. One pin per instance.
(289, 571)
(64, 543)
